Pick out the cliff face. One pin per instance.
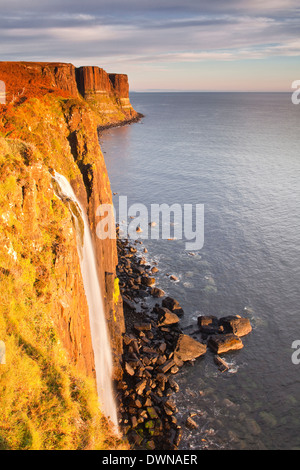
(93, 80)
(47, 125)
(89, 159)
(121, 87)
(108, 93)
(69, 126)
(26, 80)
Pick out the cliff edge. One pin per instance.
(50, 121)
(107, 94)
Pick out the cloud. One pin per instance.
(194, 36)
(148, 5)
(156, 32)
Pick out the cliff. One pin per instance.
(50, 122)
(107, 93)
(26, 80)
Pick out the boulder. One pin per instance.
(167, 317)
(211, 330)
(148, 281)
(190, 423)
(129, 369)
(178, 437)
(156, 292)
(188, 349)
(236, 325)
(136, 438)
(150, 445)
(209, 325)
(174, 385)
(134, 422)
(161, 360)
(162, 348)
(142, 326)
(152, 412)
(225, 342)
(167, 366)
(140, 387)
(172, 305)
(207, 320)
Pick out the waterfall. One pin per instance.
(99, 331)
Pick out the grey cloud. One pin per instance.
(121, 7)
(141, 13)
(146, 30)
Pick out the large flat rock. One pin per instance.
(236, 325)
(166, 317)
(223, 343)
(188, 349)
(210, 324)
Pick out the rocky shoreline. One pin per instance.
(155, 348)
(126, 122)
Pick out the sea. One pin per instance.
(236, 155)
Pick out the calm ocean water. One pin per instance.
(238, 154)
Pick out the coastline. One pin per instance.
(126, 122)
(155, 348)
(146, 392)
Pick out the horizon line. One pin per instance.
(158, 90)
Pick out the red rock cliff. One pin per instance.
(96, 191)
(121, 87)
(106, 92)
(120, 84)
(92, 80)
(64, 136)
(25, 80)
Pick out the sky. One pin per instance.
(180, 45)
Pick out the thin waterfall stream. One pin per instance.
(99, 330)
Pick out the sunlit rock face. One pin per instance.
(109, 93)
(52, 116)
